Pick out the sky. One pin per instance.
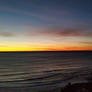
(45, 25)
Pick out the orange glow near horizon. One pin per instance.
(3, 49)
(38, 46)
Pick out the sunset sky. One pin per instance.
(45, 25)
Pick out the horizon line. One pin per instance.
(50, 51)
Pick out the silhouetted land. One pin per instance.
(77, 87)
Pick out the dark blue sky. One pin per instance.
(43, 24)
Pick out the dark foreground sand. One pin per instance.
(78, 87)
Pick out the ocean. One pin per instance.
(42, 69)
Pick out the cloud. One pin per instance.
(44, 13)
(62, 32)
(86, 43)
(6, 34)
(77, 48)
(17, 11)
(75, 32)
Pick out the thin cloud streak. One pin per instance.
(47, 14)
(86, 43)
(75, 32)
(62, 32)
(7, 34)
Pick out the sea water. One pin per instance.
(33, 69)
